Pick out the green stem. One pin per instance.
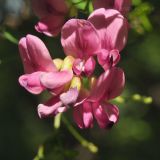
(87, 6)
(90, 146)
(40, 153)
(9, 37)
(57, 121)
(78, 2)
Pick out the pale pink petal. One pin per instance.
(50, 108)
(107, 58)
(89, 66)
(31, 82)
(57, 79)
(77, 115)
(25, 57)
(107, 4)
(123, 6)
(39, 55)
(87, 115)
(113, 31)
(70, 96)
(79, 38)
(50, 25)
(109, 85)
(62, 109)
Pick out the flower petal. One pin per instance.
(109, 85)
(87, 115)
(39, 55)
(56, 91)
(79, 38)
(77, 115)
(117, 83)
(107, 4)
(70, 96)
(123, 6)
(113, 31)
(89, 66)
(31, 82)
(78, 66)
(39, 7)
(105, 114)
(25, 57)
(112, 111)
(100, 115)
(57, 79)
(102, 84)
(44, 7)
(107, 58)
(50, 108)
(50, 25)
(59, 5)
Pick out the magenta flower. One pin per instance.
(96, 103)
(122, 6)
(80, 39)
(113, 34)
(41, 73)
(52, 15)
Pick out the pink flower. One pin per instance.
(42, 73)
(108, 58)
(113, 34)
(58, 104)
(96, 103)
(122, 6)
(36, 60)
(80, 39)
(52, 15)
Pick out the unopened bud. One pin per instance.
(92, 81)
(76, 83)
(137, 97)
(58, 63)
(67, 63)
(147, 100)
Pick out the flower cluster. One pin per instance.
(86, 43)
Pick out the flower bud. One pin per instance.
(76, 83)
(67, 63)
(58, 63)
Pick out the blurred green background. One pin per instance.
(136, 136)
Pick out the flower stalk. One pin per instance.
(9, 37)
(89, 145)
